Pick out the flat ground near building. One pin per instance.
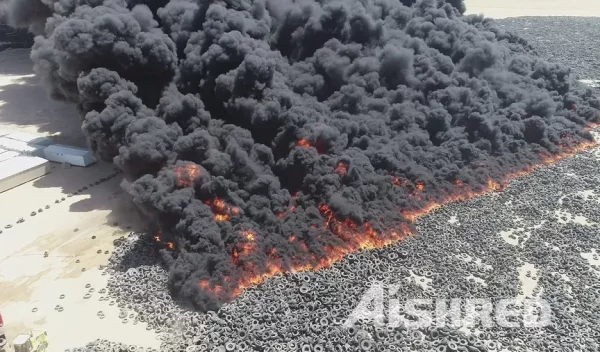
(31, 284)
(25, 107)
(76, 234)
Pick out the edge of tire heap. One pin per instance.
(545, 224)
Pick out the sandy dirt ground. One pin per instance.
(31, 285)
(76, 233)
(514, 8)
(25, 106)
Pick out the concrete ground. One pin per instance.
(24, 105)
(31, 284)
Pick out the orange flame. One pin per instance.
(496, 185)
(243, 249)
(420, 185)
(204, 284)
(221, 209)
(355, 237)
(281, 214)
(221, 217)
(272, 252)
(247, 248)
(341, 168)
(399, 182)
(303, 143)
(187, 174)
(249, 234)
(318, 145)
(219, 204)
(158, 239)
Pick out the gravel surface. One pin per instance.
(538, 238)
(571, 41)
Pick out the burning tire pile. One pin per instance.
(270, 139)
(461, 251)
(580, 39)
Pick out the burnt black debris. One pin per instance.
(285, 119)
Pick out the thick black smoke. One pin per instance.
(29, 14)
(277, 132)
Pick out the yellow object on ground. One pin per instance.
(34, 341)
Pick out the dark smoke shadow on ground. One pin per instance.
(124, 215)
(24, 103)
(143, 252)
(139, 254)
(8, 46)
(100, 185)
(15, 61)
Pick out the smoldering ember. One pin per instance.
(270, 136)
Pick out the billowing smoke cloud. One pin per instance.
(265, 136)
(29, 14)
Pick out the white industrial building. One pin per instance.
(24, 157)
